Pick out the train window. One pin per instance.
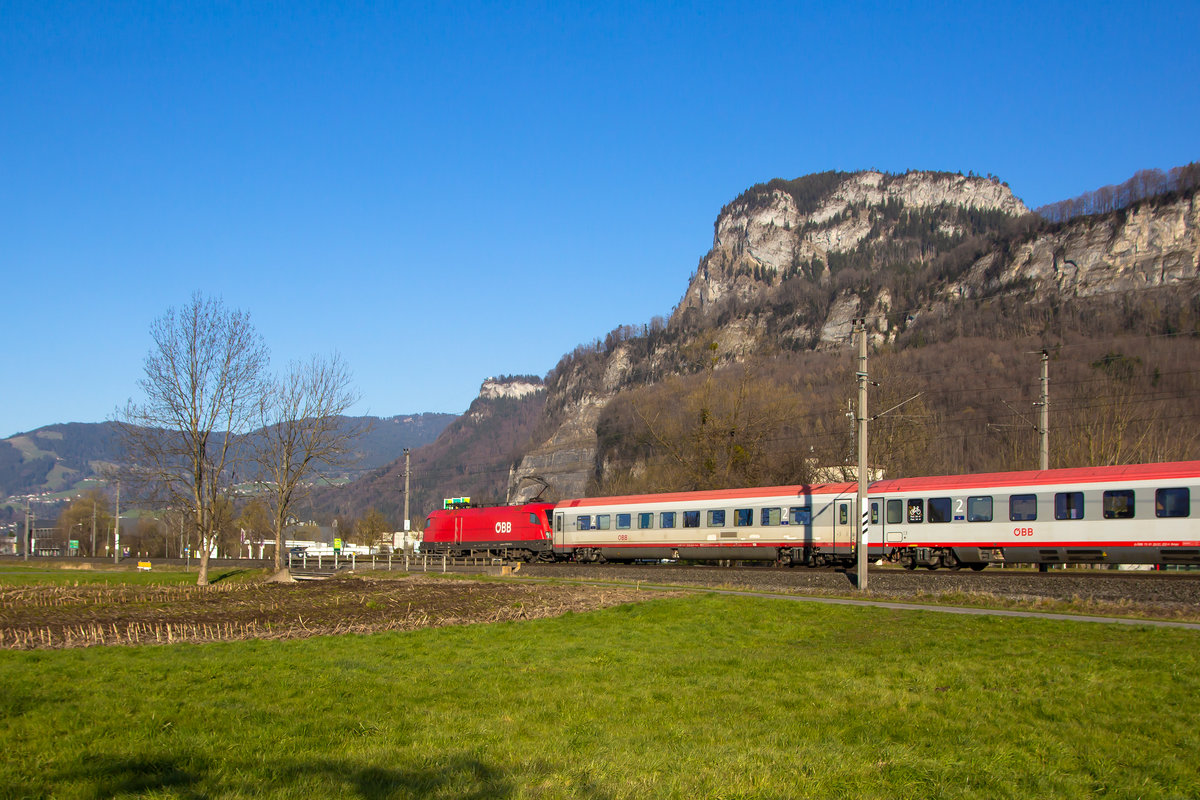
(533, 519)
(916, 510)
(666, 519)
(549, 516)
(623, 521)
(1118, 504)
(844, 514)
(583, 522)
(743, 517)
(716, 518)
(1172, 502)
(979, 509)
(895, 512)
(874, 512)
(939, 509)
(645, 521)
(1068, 505)
(602, 521)
(800, 515)
(771, 516)
(691, 519)
(1022, 507)
(559, 523)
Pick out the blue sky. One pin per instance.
(442, 192)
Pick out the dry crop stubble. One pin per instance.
(37, 617)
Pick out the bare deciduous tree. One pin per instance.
(371, 530)
(202, 387)
(303, 429)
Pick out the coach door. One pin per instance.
(875, 523)
(843, 524)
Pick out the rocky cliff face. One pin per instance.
(1150, 245)
(794, 263)
(765, 234)
(513, 388)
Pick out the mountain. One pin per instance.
(957, 283)
(751, 380)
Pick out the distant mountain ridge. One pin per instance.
(57, 457)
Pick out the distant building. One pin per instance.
(44, 538)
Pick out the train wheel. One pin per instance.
(910, 565)
(978, 567)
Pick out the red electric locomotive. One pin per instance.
(521, 531)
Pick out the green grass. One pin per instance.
(14, 574)
(697, 697)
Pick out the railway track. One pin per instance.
(1164, 594)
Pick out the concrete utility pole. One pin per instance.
(861, 330)
(117, 529)
(1044, 428)
(92, 552)
(26, 529)
(406, 525)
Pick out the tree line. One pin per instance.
(1143, 185)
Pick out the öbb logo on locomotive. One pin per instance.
(1136, 514)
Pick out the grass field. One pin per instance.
(704, 696)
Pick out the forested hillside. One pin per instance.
(958, 397)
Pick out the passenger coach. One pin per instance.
(1138, 514)
(801, 524)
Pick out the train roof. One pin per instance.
(1176, 470)
(798, 490)
(486, 509)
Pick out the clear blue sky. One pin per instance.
(442, 192)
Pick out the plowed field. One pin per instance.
(90, 615)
